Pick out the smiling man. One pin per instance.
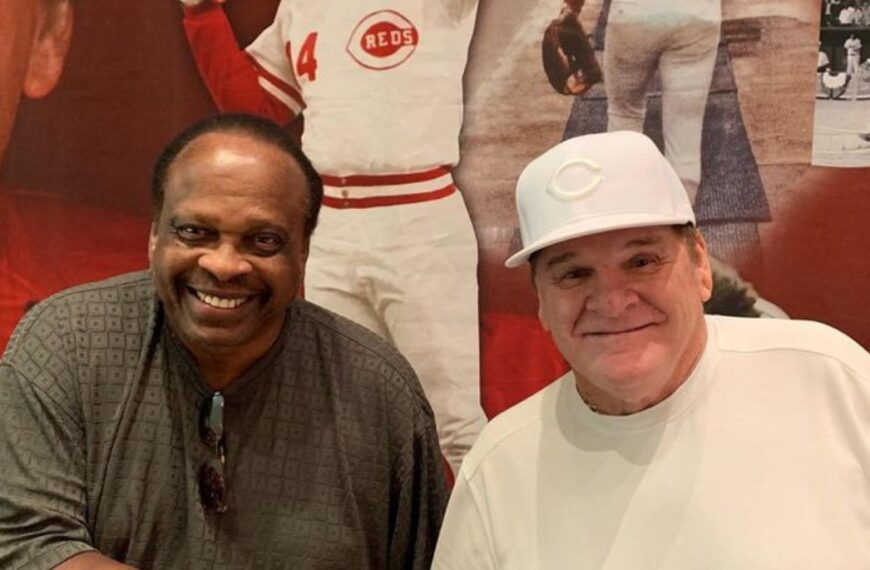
(676, 440)
(204, 416)
(228, 247)
(380, 84)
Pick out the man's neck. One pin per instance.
(605, 403)
(220, 374)
(221, 366)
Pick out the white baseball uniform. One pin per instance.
(847, 16)
(853, 55)
(679, 39)
(381, 85)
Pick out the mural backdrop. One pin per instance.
(742, 111)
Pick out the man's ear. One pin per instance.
(50, 46)
(304, 258)
(542, 317)
(704, 271)
(152, 242)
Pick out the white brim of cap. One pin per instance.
(596, 225)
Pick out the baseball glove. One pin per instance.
(568, 57)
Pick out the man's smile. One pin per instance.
(615, 331)
(226, 301)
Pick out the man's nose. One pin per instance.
(225, 262)
(612, 294)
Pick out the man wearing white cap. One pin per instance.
(676, 440)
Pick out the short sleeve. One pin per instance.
(43, 505)
(420, 491)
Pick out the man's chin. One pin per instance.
(255, 333)
(204, 338)
(623, 368)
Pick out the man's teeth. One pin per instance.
(219, 302)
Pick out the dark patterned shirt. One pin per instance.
(332, 459)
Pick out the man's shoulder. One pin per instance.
(98, 308)
(80, 335)
(522, 422)
(96, 297)
(809, 339)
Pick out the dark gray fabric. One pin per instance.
(332, 457)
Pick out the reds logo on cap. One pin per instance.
(383, 40)
(575, 179)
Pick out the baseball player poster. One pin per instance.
(420, 116)
(841, 127)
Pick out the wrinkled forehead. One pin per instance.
(601, 246)
(231, 165)
(234, 142)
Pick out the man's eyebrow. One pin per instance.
(263, 224)
(643, 241)
(177, 219)
(561, 258)
(257, 224)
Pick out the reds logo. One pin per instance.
(383, 40)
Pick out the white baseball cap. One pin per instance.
(593, 184)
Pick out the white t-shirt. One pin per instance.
(760, 460)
